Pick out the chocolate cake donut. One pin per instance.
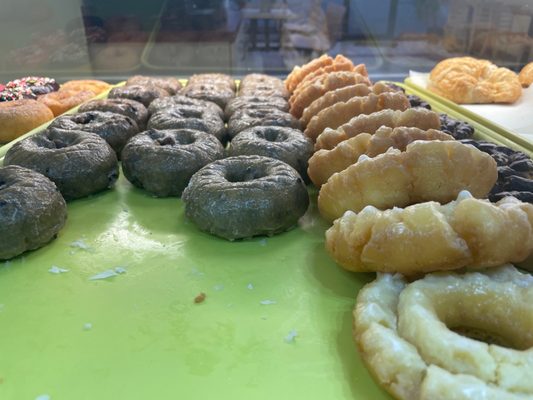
(163, 103)
(245, 196)
(115, 129)
(32, 211)
(79, 163)
(254, 102)
(189, 117)
(142, 94)
(282, 143)
(163, 161)
(264, 116)
(130, 108)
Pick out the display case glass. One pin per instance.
(115, 39)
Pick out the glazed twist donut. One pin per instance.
(340, 113)
(321, 86)
(466, 232)
(324, 163)
(426, 171)
(419, 117)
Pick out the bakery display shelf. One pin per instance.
(276, 321)
(500, 133)
(4, 148)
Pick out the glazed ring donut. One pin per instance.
(40, 209)
(65, 99)
(254, 102)
(466, 232)
(142, 94)
(426, 171)
(163, 161)
(79, 163)
(20, 116)
(261, 116)
(189, 117)
(168, 83)
(92, 85)
(163, 103)
(284, 144)
(129, 108)
(455, 336)
(245, 196)
(115, 129)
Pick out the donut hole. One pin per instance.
(488, 318)
(235, 174)
(52, 141)
(85, 118)
(274, 136)
(191, 113)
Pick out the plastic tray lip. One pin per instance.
(494, 127)
(5, 147)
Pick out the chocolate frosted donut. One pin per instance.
(163, 103)
(245, 196)
(219, 94)
(171, 85)
(284, 144)
(130, 108)
(32, 211)
(163, 161)
(142, 94)
(247, 118)
(79, 163)
(115, 129)
(255, 102)
(190, 117)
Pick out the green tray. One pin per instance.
(139, 335)
(496, 130)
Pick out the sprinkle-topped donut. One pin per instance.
(17, 93)
(36, 84)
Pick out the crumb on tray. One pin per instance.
(200, 298)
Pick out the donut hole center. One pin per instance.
(182, 139)
(482, 335)
(237, 174)
(53, 140)
(275, 136)
(484, 316)
(191, 113)
(85, 118)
